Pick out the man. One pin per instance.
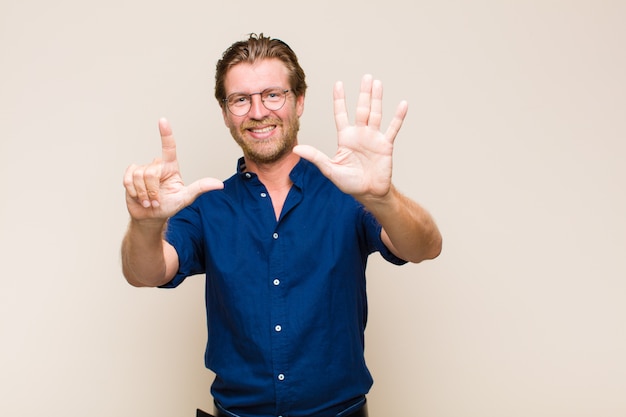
(283, 243)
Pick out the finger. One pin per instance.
(315, 156)
(140, 186)
(362, 114)
(339, 104)
(152, 181)
(128, 181)
(376, 110)
(168, 144)
(202, 186)
(396, 122)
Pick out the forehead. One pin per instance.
(250, 78)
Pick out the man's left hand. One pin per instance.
(362, 165)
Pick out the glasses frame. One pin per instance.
(260, 94)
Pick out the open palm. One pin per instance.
(362, 165)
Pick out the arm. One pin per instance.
(147, 259)
(154, 193)
(409, 231)
(362, 167)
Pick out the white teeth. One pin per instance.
(264, 130)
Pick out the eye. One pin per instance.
(273, 95)
(238, 100)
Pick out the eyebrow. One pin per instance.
(265, 89)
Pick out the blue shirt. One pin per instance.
(286, 300)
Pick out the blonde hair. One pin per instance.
(255, 48)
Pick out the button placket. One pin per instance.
(278, 317)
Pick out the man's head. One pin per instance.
(255, 48)
(260, 87)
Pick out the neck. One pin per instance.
(274, 175)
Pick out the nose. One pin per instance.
(257, 108)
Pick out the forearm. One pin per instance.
(145, 255)
(409, 230)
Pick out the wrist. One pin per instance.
(378, 202)
(148, 226)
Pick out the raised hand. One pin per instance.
(156, 190)
(362, 165)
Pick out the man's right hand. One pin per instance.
(156, 191)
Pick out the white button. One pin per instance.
(263, 195)
(278, 328)
(248, 175)
(275, 235)
(281, 377)
(276, 281)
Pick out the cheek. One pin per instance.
(289, 113)
(227, 121)
(232, 125)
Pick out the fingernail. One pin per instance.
(145, 203)
(155, 204)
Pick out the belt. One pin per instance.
(359, 411)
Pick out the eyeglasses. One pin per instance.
(273, 98)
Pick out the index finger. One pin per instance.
(168, 144)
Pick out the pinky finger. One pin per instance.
(129, 184)
(396, 122)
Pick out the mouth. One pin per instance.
(262, 130)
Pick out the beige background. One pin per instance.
(515, 140)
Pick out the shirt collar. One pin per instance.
(296, 174)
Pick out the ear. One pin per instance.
(300, 105)
(225, 116)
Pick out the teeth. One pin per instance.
(264, 130)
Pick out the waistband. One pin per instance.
(358, 409)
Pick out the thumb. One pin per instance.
(315, 156)
(202, 186)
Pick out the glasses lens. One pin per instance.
(274, 98)
(238, 104)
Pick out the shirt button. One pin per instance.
(276, 281)
(281, 377)
(278, 328)
(248, 175)
(275, 235)
(263, 195)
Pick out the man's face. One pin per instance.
(264, 135)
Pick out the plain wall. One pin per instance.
(515, 141)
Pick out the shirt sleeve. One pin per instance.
(184, 233)
(373, 231)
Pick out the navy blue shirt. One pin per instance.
(286, 300)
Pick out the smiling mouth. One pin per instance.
(265, 129)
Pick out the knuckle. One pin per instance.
(138, 173)
(150, 172)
